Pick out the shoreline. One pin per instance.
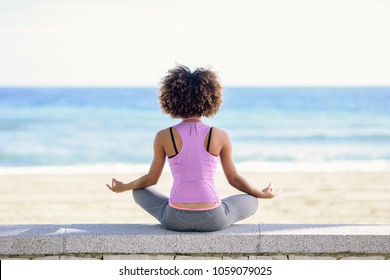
(307, 197)
(243, 167)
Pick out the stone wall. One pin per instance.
(197, 257)
(152, 242)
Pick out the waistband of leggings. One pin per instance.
(216, 205)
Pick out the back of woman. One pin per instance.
(193, 149)
(193, 167)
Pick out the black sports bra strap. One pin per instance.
(173, 140)
(208, 141)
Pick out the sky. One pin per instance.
(247, 42)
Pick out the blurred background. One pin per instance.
(306, 90)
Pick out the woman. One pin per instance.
(193, 149)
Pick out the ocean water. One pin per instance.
(272, 129)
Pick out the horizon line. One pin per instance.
(226, 86)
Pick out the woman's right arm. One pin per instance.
(234, 179)
(149, 179)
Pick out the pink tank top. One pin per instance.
(193, 168)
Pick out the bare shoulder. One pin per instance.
(221, 137)
(162, 132)
(220, 133)
(162, 135)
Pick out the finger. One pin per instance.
(108, 186)
(278, 192)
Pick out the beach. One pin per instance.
(307, 197)
(327, 148)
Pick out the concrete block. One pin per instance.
(31, 239)
(271, 257)
(54, 258)
(313, 239)
(14, 259)
(301, 257)
(153, 239)
(353, 258)
(269, 241)
(138, 257)
(235, 257)
(190, 257)
(72, 258)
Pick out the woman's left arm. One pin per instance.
(152, 177)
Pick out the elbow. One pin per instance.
(152, 180)
(239, 183)
(234, 180)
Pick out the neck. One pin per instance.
(193, 119)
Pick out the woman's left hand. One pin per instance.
(268, 192)
(117, 186)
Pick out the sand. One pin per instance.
(334, 197)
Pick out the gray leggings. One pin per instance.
(233, 209)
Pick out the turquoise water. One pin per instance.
(270, 127)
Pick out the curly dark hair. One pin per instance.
(186, 94)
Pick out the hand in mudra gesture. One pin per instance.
(268, 192)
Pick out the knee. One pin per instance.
(252, 202)
(257, 204)
(137, 194)
(255, 201)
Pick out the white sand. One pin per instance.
(335, 197)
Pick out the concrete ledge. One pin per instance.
(258, 239)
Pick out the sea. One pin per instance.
(278, 129)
